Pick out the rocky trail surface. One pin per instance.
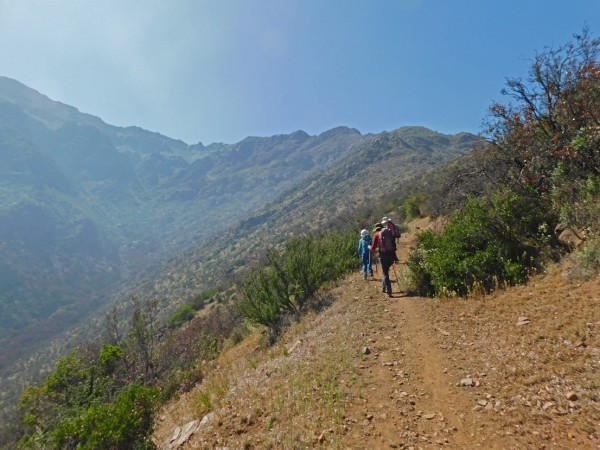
(518, 369)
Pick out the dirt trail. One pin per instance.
(410, 398)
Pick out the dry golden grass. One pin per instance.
(316, 388)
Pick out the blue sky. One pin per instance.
(221, 70)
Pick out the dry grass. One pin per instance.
(316, 389)
(532, 367)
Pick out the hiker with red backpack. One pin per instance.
(387, 222)
(384, 241)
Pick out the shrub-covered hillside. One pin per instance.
(506, 207)
(538, 179)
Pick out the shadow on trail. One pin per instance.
(321, 302)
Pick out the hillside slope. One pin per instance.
(361, 180)
(517, 369)
(94, 214)
(85, 206)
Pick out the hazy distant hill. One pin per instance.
(90, 212)
(362, 179)
(85, 205)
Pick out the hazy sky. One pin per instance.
(221, 70)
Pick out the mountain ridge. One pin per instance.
(116, 206)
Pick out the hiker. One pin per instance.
(387, 222)
(365, 253)
(392, 226)
(384, 241)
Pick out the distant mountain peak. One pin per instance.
(339, 130)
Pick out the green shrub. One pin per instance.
(302, 266)
(587, 261)
(262, 300)
(87, 421)
(412, 206)
(337, 252)
(109, 357)
(487, 244)
(199, 300)
(420, 276)
(577, 200)
(124, 424)
(91, 400)
(293, 277)
(182, 315)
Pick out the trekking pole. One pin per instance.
(394, 269)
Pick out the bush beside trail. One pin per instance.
(488, 244)
(541, 167)
(289, 283)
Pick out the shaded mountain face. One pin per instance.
(86, 207)
(85, 204)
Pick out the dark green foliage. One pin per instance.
(125, 423)
(94, 398)
(261, 301)
(76, 408)
(412, 207)
(104, 396)
(486, 245)
(542, 166)
(293, 277)
(589, 260)
(181, 316)
(109, 357)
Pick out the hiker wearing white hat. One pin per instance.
(365, 253)
(384, 242)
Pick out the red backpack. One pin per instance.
(387, 241)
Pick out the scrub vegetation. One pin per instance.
(503, 209)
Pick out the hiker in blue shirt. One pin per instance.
(365, 253)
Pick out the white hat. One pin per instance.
(385, 220)
(363, 233)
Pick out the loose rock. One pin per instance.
(572, 396)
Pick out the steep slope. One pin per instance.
(409, 372)
(92, 214)
(315, 203)
(56, 254)
(145, 195)
(86, 206)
